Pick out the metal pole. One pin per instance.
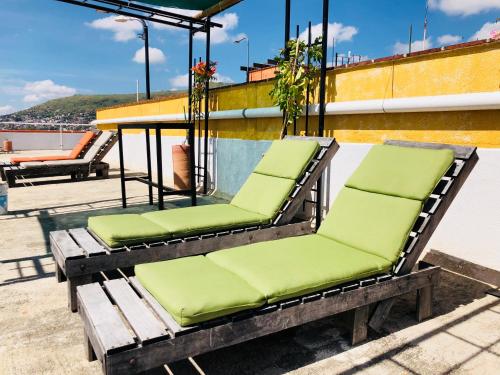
(148, 154)
(192, 179)
(61, 145)
(248, 60)
(192, 160)
(159, 166)
(198, 157)
(322, 98)
(122, 167)
(207, 88)
(410, 38)
(145, 35)
(297, 31)
(309, 37)
(190, 76)
(287, 24)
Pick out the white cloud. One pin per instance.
(123, 31)
(336, 30)
(223, 79)
(156, 56)
(486, 31)
(45, 90)
(448, 39)
(179, 82)
(229, 21)
(464, 7)
(418, 45)
(6, 109)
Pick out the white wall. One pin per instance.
(40, 140)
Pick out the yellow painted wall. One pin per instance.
(463, 70)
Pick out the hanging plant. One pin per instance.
(201, 75)
(293, 76)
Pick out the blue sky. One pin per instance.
(50, 49)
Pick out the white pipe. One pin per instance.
(438, 103)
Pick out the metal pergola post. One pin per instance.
(322, 99)
(308, 88)
(207, 91)
(287, 24)
(192, 178)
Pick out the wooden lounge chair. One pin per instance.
(78, 169)
(77, 153)
(376, 231)
(259, 212)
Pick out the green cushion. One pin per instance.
(129, 229)
(297, 266)
(199, 219)
(401, 171)
(375, 223)
(287, 158)
(263, 194)
(193, 289)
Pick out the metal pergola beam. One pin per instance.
(129, 9)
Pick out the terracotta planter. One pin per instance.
(180, 159)
(7, 146)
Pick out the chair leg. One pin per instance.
(380, 314)
(424, 303)
(87, 345)
(72, 285)
(360, 324)
(11, 180)
(60, 276)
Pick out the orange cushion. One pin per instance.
(87, 137)
(77, 150)
(38, 158)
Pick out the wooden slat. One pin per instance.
(105, 322)
(461, 152)
(68, 247)
(145, 325)
(173, 327)
(87, 242)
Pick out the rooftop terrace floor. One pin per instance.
(39, 335)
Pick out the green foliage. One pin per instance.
(293, 77)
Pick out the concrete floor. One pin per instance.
(38, 335)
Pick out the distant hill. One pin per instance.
(77, 109)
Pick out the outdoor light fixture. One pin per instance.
(248, 54)
(144, 36)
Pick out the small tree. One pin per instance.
(293, 77)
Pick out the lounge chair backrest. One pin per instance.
(382, 200)
(80, 146)
(274, 177)
(93, 151)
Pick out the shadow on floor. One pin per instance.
(301, 346)
(28, 268)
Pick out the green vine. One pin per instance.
(293, 76)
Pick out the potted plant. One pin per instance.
(293, 76)
(180, 153)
